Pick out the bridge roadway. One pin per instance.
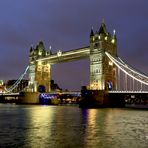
(9, 94)
(79, 93)
(128, 92)
(115, 98)
(10, 97)
(129, 98)
(67, 56)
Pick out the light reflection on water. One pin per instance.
(70, 126)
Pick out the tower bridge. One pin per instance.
(102, 71)
(108, 72)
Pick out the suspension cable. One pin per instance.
(131, 68)
(128, 71)
(17, 82)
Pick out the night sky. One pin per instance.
(65, 25)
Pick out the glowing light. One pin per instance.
(40, 53)
(59, 53)
(48, 64)
(48, 96)
(99, 37)
(110, 63)
(94, 86)
(106, 38)
(40, 63)
(113, 41)
(114, 32)
(93, 38)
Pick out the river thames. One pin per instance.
(35, 126)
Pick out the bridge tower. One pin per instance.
(39, 71)
(102, 70)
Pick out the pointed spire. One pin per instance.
(92, 32)
(31, 49)
(103, 21)
(103, 29)
(37, 46)
(41, 45)
(114, 34)
(114, 38)
(50, 49)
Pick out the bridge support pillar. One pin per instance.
(102, 70)
(94, 99)
(101, 98)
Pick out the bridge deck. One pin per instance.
(67, 56)
(9, 94)
(129, 92)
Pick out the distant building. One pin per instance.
(24, 83)
(54, 86)
(20, 87)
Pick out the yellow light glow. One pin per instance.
(40, 115)
(40, 63)
(48, 65)
(106, 38)
(59, 53)
(94, 86)
(114, 31)
(110, 63)
(40, 53)
(113, 41)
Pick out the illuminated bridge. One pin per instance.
(108, 72)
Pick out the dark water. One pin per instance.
(70, 126)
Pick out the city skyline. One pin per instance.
(62, 26)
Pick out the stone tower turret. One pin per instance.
(102, 70)
(39, 71)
